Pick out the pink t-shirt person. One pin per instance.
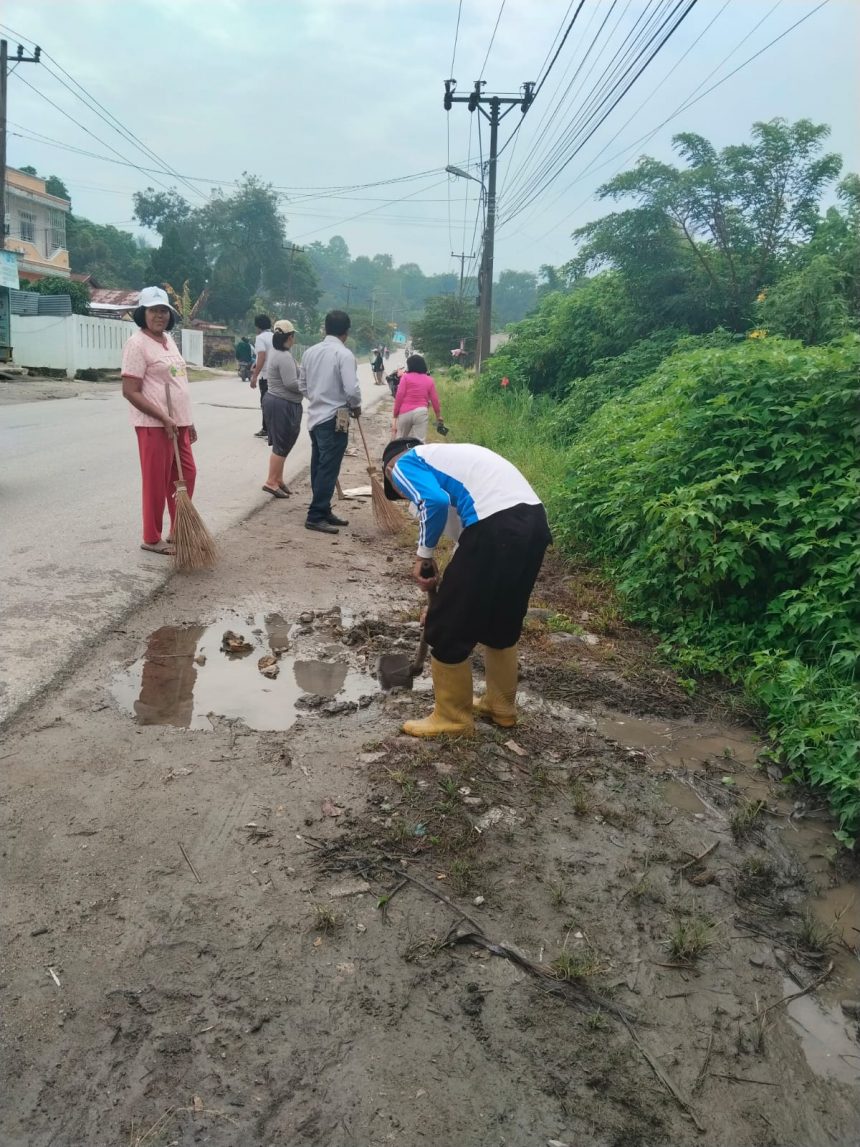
(414, 392)
(158, 363)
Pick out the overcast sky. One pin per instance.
(331, 94)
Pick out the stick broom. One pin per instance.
(194, 545)
(387, 517)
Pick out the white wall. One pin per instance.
(72, 343)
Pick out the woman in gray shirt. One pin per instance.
(282, 406)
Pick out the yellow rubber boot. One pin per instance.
(499, 703)
(452, 712)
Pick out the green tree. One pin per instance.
(235, 244)
(721, 227)
(53, 285)
(809, 304)
(514, 295)
(446, 320)
(112, 256)
(55, 186)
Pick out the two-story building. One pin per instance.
(35, 226)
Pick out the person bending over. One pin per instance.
(499, 523)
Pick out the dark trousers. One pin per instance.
(263, 384)
(485, 592)
(327, 449)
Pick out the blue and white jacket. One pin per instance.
(457, 485)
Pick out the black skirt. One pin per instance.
(485, 592)
(283, 422)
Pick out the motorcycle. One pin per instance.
(244, 371)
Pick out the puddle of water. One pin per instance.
(681, 797)
(671, 744)
(829, 1049)
(169, 686)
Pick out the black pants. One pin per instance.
(327, 450)
(263, 384)
(485, 592)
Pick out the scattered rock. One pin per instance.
(504, 816)
(478, 901)
(851, 1008)
(443, 768)
(310, 701)
(268, 666)
(372, 758)
(200, 659)
(353, 887)
(474, 802)
(335, 708)
(562, 638)
(307, 617)
(762, 958)
(515, 748)
(365, 700)
(235, 645)
(329, 808)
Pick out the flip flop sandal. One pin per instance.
(286, 489)
(278, 493)
(158, 548)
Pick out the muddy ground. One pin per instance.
(242, 910)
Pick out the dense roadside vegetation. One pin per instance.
(688, 408)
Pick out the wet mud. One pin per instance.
(229, 918)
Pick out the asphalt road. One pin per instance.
(70, 557)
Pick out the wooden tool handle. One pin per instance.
(371, 469)
(174, 435)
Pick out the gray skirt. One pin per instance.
(283, 422)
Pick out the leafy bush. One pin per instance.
(723, 493)
(566, 336)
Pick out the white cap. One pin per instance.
(155, 297)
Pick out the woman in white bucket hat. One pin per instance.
(151, 367)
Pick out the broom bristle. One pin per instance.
(386, 515)
(195, 546)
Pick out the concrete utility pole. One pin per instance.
(19, 58)
(476, 100)
(462, 257)
(5, 304)
(292, 250)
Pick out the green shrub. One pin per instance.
(723, 493)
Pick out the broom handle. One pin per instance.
(174, 436)
(371, 469)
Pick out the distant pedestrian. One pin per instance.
(377, 365)
(244, 358)
(282, 406)
(329, 377)
(259, 374)
(415, 391)
(151, 367)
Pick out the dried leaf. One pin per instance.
(515, 748)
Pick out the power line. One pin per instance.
(492, 40)
(689, 101)
(106, 116)
(554, 146)
(647, 100)
(572, 152)
(456, 36)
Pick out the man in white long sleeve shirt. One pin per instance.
(486, 505)
(329, 377)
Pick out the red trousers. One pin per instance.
(158, 471)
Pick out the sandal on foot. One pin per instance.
(159, 547)
(285, 488)
(276, 493)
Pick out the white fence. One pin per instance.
(191, 345)
(78, 342)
